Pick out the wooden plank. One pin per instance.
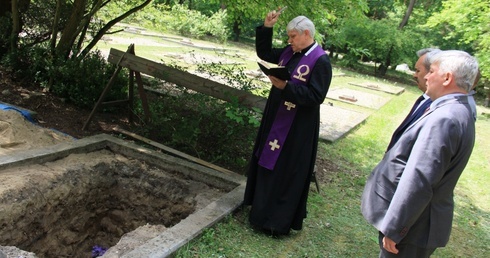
(185, 79)
(172, 151)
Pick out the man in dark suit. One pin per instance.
(408, 197)
(422, 67)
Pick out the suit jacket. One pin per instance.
(409, 194)
(412, 116)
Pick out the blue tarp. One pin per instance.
(25, 113)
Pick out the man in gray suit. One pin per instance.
(409, 195)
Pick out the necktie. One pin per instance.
(414, 108)
(412, 115)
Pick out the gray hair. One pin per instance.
(300, 24)
(462, 65)
(430, 52)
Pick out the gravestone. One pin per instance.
(336, 122)
(378, 86)
(359, 98)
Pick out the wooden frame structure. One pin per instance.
(139, 65)
(130, 100)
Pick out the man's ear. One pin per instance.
(449, 77)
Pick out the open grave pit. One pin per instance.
(63, 200)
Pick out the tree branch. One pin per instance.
(106, 28)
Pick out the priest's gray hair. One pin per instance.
(300, 24)
(462, 65)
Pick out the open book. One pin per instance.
(280, 72)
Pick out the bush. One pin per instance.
(180, 20)
(83, 80)
(193, 23)
(189, 121)
(80, 81)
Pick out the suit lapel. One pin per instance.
(412, 116)
(459, 98)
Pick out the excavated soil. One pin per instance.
(66, 207)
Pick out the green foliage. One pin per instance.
(244, 16)
(180, 20)
(83, 80)
(80, 81)
(29, 63)
(189, 121)
(234, 75)
(466, 22)
(38, 20)
(206, 7)
(326, 15)
(377, 40)
(193, 23)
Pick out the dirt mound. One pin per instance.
(17, 133)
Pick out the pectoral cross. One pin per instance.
(274, 145)
(290, 105)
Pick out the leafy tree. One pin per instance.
(41, 21)
(467, 22)
(240, 13)
(56, 43)
(406, 16)
(11, 23)
(379, 9)
(328, 17)
(379, 41)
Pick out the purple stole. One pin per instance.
(287, 110)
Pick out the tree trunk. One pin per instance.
(85, 23)
(236, 30)
(106, 27)
(54, 33)
(407, 14)
(487, 100)
(383, 68)
(69, 33)
(14, 36)
(12, 9)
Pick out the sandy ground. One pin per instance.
(17, 134)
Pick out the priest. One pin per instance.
(284, 154)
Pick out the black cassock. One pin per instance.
(278, 197)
